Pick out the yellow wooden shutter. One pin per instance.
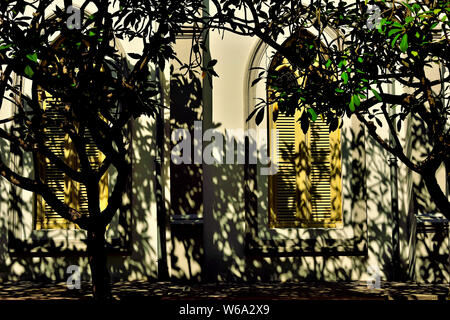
(96, 157)
(325, 175)
(70, 192)
(56, 141)
(282, 186)
(306, 191)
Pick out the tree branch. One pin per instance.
(52, 200)
(398, 152)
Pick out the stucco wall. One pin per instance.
(225, 202)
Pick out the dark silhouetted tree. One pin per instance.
(72, 57)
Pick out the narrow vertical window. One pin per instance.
(70, 192)
(306, 191)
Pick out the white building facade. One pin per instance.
(211, 222)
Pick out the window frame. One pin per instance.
(71, 188)
(25, 240)
(351, 239)
(303, 180)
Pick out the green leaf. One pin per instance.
(407, 5)
(351, 106)
(342, 63)
(404, 43)
(393, 31)
(29, 72)
(344, 77)
(6, 46)
(313, 114)
(91, 33)
(381, 26)
(395, 40)
(356, 100)
(328, 64)
(338, 90)
(414, 53)
(33, 57)
(361, 60)
(376, 94)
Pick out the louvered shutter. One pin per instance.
(325, 175)
(55, 141)
(68, 191)
(96, 157)
(283, 190)
(306, 191)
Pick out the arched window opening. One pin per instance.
(56, 115)
(306, 191)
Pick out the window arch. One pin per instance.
(57, 140)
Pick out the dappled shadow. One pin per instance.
(428, 234)
(184, 198)
(281, 291)
(186, 178)
(153, 291)
(26, 254)
(420, 148)
(313, 254)
(240, 247)
(45, 255)
(217, 219)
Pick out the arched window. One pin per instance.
(306, 190)
(74, 194)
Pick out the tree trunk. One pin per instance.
(436, 194)
(101, 281)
